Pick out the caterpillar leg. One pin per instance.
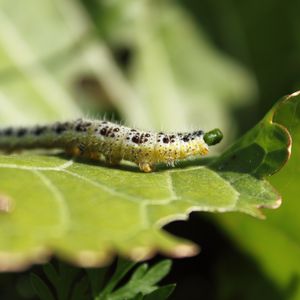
(203, 151)
(112, 160)
(94, 155)
(81, 150)
(145, 167)
(171, 163)
(73, 151)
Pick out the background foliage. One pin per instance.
(215, 63)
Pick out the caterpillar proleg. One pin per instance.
(97, 139)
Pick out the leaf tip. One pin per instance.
(141, 253)
(295, 94)
(88, 258)
(185, 250)
(277, 203)
(273, 205)
(16, 262)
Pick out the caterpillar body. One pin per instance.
(97, 139)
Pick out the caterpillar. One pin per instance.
(97, 139)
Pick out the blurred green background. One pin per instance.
(172, 65)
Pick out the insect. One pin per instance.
(97, 139)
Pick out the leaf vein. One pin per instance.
(58, 196)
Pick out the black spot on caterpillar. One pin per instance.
(94, 139)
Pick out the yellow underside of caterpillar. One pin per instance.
(145, 157)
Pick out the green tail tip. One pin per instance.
(213, 137)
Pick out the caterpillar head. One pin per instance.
(213, 137)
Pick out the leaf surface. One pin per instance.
(274, 244)
(85, 212)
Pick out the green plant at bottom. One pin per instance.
(65, 282)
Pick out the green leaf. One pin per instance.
(64, 281)
(81, 289)
(96, 278)
(279, 236)
(41, 289)
(67, 282)
(22, 79)
(67, 206)
(181, 78)
(123, 267)
(40, 79)
(140, 272)
(161, 293)
(66, 278)
(51, 274)
(138, 297)
(142, 284)
(157, 272)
